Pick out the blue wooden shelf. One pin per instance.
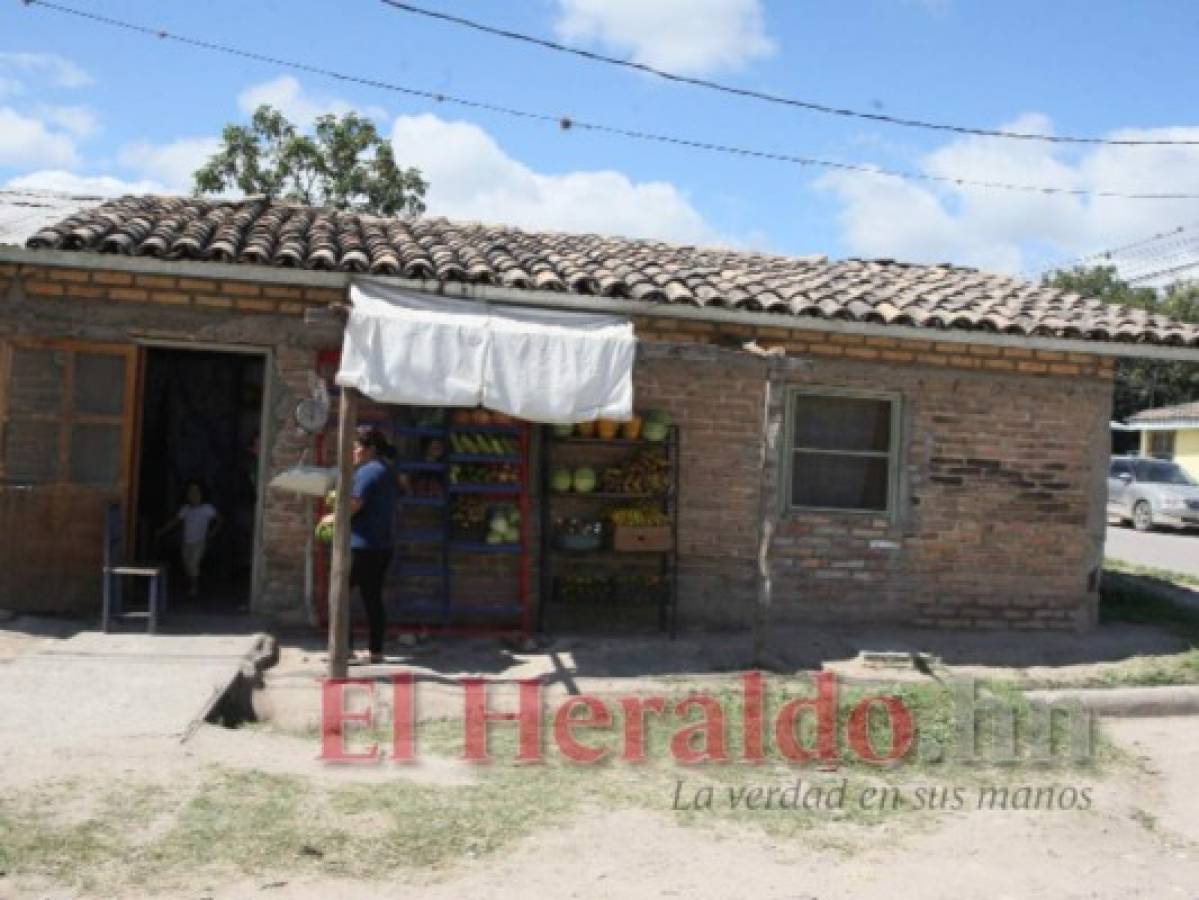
(419, 465)
(418, 608)
(484, 547)
(421, 536)
(467, 611)
(420, 570)
(413, 500)
(487, 429)
(482, 458)
(483, 488)
(421, 430)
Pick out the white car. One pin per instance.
(1151, 492)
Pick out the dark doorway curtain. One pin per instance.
(200, 419)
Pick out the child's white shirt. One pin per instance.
(196, 520)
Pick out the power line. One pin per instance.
(567, 123)
(750, 93)
(1162, 273)
(1153, 239)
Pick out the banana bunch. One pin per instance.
(646, 473)
(484, 444)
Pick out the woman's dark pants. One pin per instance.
(368, 568)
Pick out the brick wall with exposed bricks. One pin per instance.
(999, 520)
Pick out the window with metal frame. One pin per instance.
(842, 451)
(1161, 444)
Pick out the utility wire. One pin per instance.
(752, 94)
(1153, 239)
(567, 123)
(1161, 273)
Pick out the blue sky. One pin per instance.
(87, 108)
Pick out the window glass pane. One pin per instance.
(99, 384)
(96, 454)
(1161, 444)
(842, 423)
(35, 385)
(31, 452)
(832, 481)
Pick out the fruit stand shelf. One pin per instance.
(485, 429)
(429, 500)
(420, 570)
(465, 488)
(482, 458)
(602, 495)
(418, 430)
(419, 465)
(508, 611)
(561, 604)
(463, 609)
(421, 536)
(484, 547)
(605, 554)
(619, 442)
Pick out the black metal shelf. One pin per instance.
(618, 442)
(603, 563)
(608, 495)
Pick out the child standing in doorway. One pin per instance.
(200, 521)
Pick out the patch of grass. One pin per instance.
(1131, 598)
(1119, 565)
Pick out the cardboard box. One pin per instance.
(632, 538)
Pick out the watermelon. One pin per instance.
(584, 479)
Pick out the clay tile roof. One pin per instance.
(258, 232)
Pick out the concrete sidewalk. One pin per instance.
(95, 687)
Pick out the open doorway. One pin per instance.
(200, 419)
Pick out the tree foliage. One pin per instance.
(1141, 383)
(344, 164)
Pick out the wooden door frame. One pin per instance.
(265, 429)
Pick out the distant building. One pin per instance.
(1170, 432)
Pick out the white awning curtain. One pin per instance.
(536, 364)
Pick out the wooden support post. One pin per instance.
(339, 575)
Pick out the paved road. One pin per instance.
(1178, 552)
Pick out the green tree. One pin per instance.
(344, 164)
(1141, 383)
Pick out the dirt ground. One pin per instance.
(1139, 839)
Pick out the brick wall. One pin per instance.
(115, 306)
(1002, 484)
(1000, 521)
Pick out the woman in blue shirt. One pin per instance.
(372, 529)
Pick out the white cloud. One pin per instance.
(59, 70)
(685, 36)
(64, 182)
(170, 164)
(471, 177)
(77, 120)
(27, 141)
(1015, 231)
(287, 95)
